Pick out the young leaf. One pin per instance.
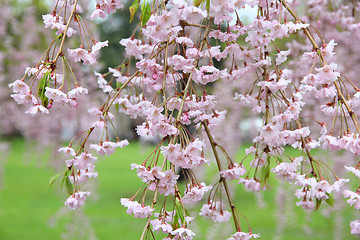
(145, 13)
(198, 2)
(208, 6)
(265, 173)
(43, 83)
(69, 186)
(55, 177)
(330, 200)
(133, 8)
(176, 221)
(63, 180)
(180, 211)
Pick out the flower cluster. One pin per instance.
(209, 211)
(188, 157)
(139, 210)
(163, 181)
(171, 63)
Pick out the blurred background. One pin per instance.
(31, 209)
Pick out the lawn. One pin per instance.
(31, 209)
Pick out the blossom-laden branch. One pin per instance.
(180, 49)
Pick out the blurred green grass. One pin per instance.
(28, 203)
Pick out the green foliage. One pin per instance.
(180, 214)
(42, 84)
(330, 200)
(145, 13)
(133, 8)
(55, 177)
(208, 5)
(69, 186)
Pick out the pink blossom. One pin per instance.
(355, 227)
(20, 87)
(306, 204)
(84, 161)
(97, 46)
(108, 147)
(287, 171)
(188, 157)
(243, 236)
(68, 151)
(282, 56)
(209, 210)
(354, 198)
(97, 13)
(294, 27)
(195, 193)
(233, 172)
(135, 47)
(98, 124)
(56, 22)
(77, 200)
(192, 13)
(327, 50)
(139, 210)
(87, 57)
(80, 54)
(109, 6)
(77, 91)
(251, 184)
(21, 98)
(159, 224)
(183, 233)
(37, 109)
(355, 171)
(328, 73)
(56, 95)
(185, 40)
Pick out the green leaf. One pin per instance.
(265, 172)
(198, 2)
(330, 200)
(42, 84)
(208, 6)
(145, 13)
(133, 8)
(63, 180)
(176, 221)
(181, 212)
(69, 186)
(55, 177)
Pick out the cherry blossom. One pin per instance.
(195, 193)
(108, 147)
(354, 198)
(183, 233)
(55, 22)
(233, 172)
(159, 224)
(37, 109)
(180, 52)
(355, 227)
(209, 211)
(243, 236)
(133, 207)
(77, 199)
